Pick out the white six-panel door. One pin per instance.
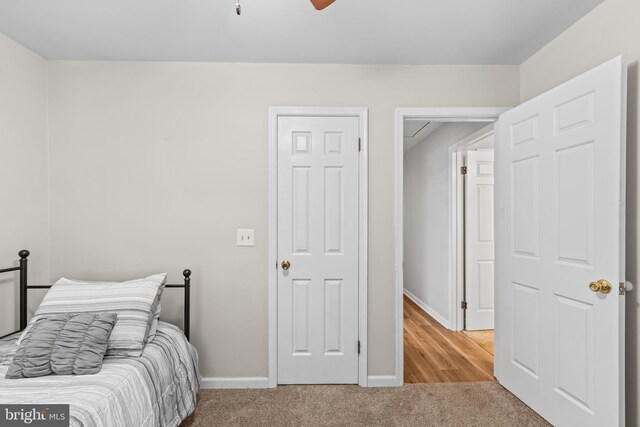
(559, 179)
(479, 241)
(318, 238)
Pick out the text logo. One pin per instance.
(34, 415)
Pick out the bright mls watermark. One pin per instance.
(34, 415)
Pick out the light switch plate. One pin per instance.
(245, 237)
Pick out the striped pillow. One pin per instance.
(156, 308)
(133, 301)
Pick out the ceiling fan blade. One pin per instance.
(321, 4)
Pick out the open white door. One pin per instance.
(479, 241)
(560, 187)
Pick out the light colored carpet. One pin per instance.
(483, 338)
(444, 404)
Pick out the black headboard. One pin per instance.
(24, 287)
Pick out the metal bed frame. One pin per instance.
(24, 287)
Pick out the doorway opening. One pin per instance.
(446, 244)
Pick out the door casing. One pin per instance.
(448, 114)
(363, 214)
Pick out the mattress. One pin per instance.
(157, 389)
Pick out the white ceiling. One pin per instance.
(349, 31)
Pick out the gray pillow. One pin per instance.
(64, 344)
(132, 301)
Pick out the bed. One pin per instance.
(156, 389)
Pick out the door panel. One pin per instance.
(300, 202)
(479, 240)
(573, 210)
(318, 235)
(559, 157)
(526, 329)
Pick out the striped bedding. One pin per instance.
(156, 389)
(134, 301)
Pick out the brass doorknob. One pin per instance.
(285, 265)
(601, 286)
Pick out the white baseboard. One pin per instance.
(382, 381)
(263, 382)
(234, 382)
(430, 311)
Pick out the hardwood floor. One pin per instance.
(434, 354)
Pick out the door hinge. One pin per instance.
(359, 144)
(463, 170)
(463, 305)
(358, 346)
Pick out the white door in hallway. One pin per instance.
(479, 241)
(318, 250)
(560, 242)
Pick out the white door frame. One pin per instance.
(363, 227)
(450, 114)
(456, 154)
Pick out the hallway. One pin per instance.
(434, 354)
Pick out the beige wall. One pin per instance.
(611, 29)
(155, 165)
(23, 171)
